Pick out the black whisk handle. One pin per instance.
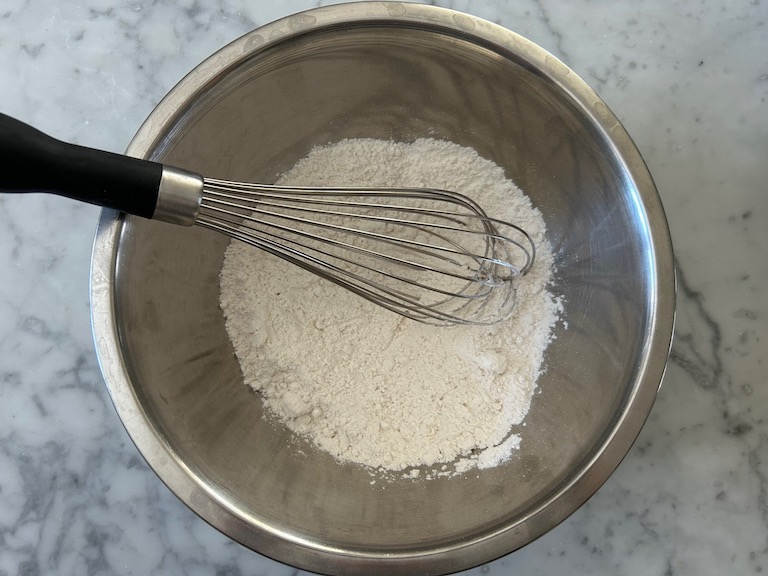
(35, 162)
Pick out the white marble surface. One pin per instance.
(690, 81)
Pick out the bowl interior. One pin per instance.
(256, 119)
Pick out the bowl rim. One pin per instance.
(314, 556)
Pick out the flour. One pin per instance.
(365, 384)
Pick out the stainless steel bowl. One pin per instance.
(395, 71)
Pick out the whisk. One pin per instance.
(426, 254)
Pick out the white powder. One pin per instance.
(365, 384)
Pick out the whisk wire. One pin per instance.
(279, 242)
(420, 248)
(234, 202)
(389, 298)
(427, 254)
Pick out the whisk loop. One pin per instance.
(430, 255)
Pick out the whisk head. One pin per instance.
(430, 255)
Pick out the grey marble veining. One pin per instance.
(690, 82)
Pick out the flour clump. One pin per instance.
(367, 385)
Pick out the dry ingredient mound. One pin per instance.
(370, 386)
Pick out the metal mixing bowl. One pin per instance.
(393, 71)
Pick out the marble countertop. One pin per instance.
(690, 82)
